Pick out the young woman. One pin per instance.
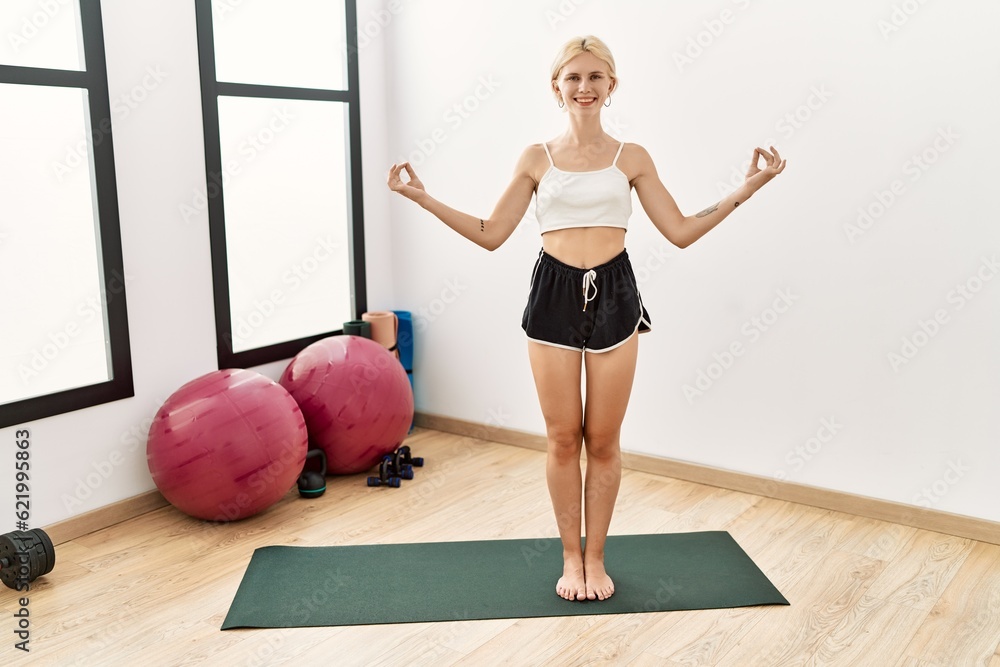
(584, 309)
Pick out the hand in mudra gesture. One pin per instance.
(773, 165)
(412, 189)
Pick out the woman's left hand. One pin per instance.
(773, 165)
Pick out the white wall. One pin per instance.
(849, 99)
(824, 358)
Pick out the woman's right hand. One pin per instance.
(413, 189)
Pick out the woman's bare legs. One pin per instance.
(557, 375)
(609, 384)
(557, 379)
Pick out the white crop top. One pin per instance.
(566, 199)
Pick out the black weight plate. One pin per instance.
(39, 549)
(45, 550)
(8, 552)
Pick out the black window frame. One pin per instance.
(211, 89)
(94, 79)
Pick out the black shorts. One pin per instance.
(594, 309)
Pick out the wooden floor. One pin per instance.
(154, 590)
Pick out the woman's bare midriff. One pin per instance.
(584, 247)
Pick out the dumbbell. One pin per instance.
(25, 556)
(386, 474)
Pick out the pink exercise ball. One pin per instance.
(356, 400)
(227, 445)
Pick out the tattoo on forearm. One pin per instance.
(735, 204)
(710, 209)
(482, 226)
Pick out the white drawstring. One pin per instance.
(589, 279)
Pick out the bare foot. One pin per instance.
(572, 585)
(599, 584)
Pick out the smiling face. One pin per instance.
(584, 83)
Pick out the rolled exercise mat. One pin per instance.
(404, 340)
(384, 328)
(358, 328)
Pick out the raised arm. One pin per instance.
(682, 230)
(489, 233)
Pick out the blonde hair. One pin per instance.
(586, 44)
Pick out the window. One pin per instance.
(283, 160)
(64, 331)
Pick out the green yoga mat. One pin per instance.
(445, 581)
